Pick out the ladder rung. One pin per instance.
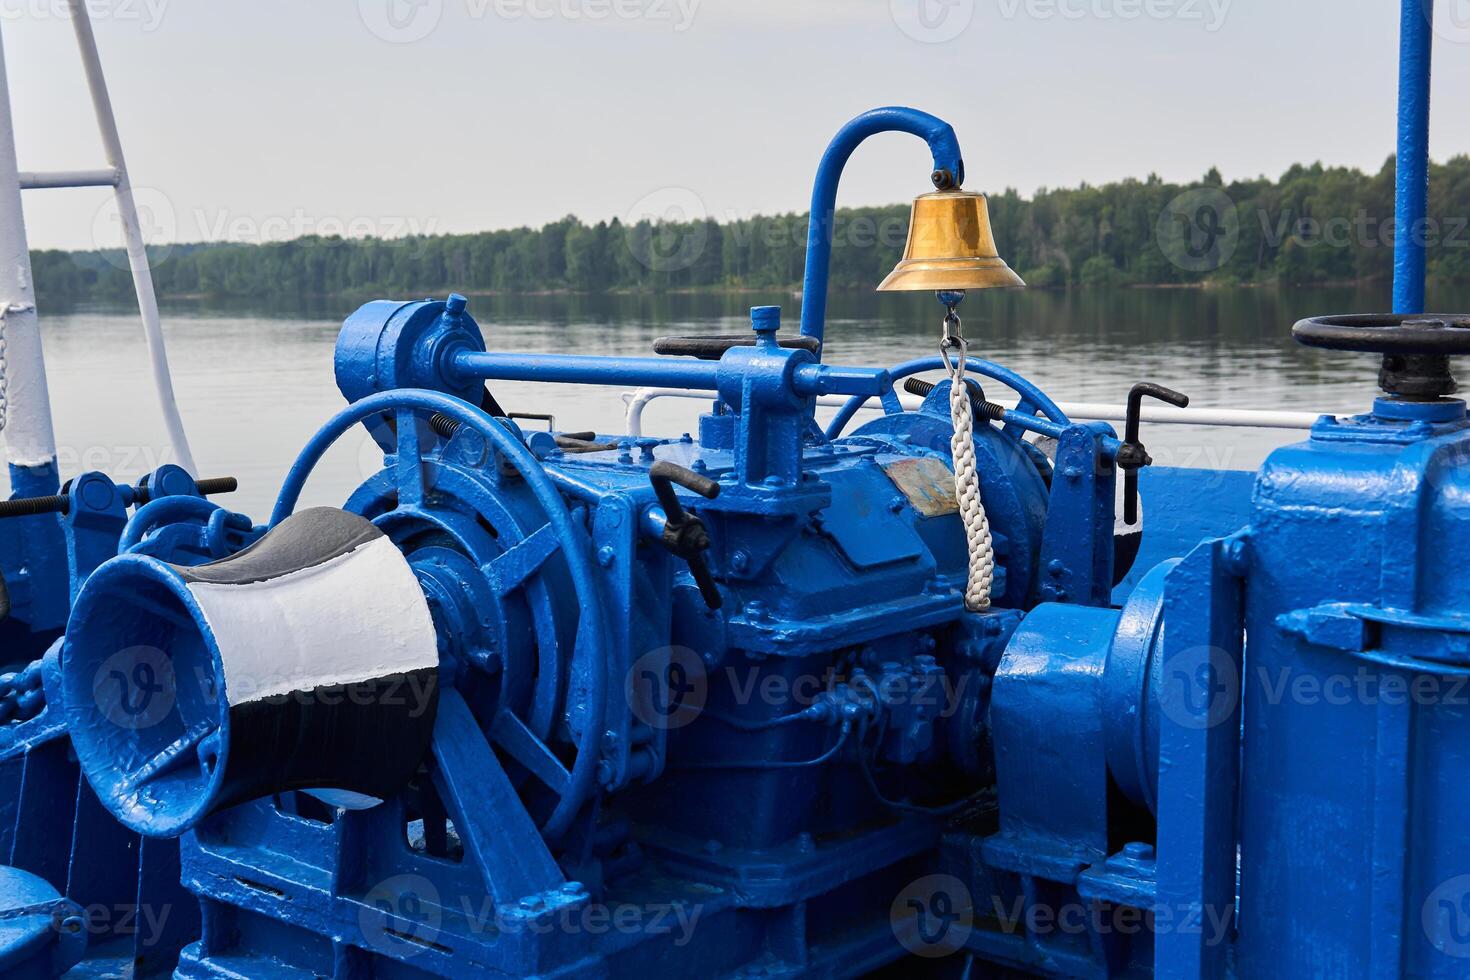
(36, 180)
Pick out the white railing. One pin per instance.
(638, 400)
(31, 432)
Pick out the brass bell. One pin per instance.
(950, 247)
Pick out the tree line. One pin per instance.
(1314, 224)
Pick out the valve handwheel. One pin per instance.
(560, 534)
(1416, 348)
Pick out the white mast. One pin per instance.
(24, 400)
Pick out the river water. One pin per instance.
(254, 383)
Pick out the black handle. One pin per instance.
(714, 348)
(1132, 456)
(1388, 333)
(685, 534)
(1416, 348)
(61, 503)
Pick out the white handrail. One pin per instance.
(638, 400)
(133, 236)
(35, 180)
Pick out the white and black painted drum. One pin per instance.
(307, 661)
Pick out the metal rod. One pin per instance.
(33, 180)
(1168, 415)
(29, 437)
(943, 145)
(638, 400)
(132, 234)
(1412, 201)
(581, 369)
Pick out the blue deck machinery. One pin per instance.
(767, 700)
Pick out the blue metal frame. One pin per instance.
(945, 148)
(1416, 37)
(410, 470)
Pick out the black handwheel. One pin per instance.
(1416, 348)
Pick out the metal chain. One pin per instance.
(4, 382)
(981, 569)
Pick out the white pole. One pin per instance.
(638, 400)
(133, 236)
(29, 438)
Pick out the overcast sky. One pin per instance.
(270, 118)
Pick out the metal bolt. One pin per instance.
(1138, 851)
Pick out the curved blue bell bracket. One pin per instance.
(943, 144)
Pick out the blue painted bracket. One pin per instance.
(1199, 759)
(1077, 546)
(944, 146)
(33, 563)
(486, 810)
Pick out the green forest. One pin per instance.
(1315, 224)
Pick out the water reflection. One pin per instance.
(255, 382)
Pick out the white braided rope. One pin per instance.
(981, 572)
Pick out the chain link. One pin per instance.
(4, 380)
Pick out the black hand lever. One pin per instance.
(684, 533)
(1132, 457)
(61, 503)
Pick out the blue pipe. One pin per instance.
(655, 372)
(1029, 393)
(1416, 34)
(591, 621)
(807, 380)
(942, 144)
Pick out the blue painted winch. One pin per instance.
(767, 699)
